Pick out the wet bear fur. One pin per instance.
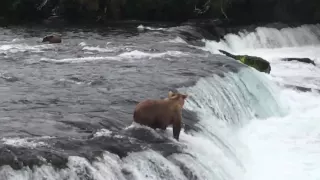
(161, 113)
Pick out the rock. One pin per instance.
(214, 27)
(301, 88)
(303, 60)
(52, 39)
(258, 63)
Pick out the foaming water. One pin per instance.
(14, 48)
(263, 38)
(224, 105)
(304, 44)
(282, 147)
(129, 56)
(99, 49)
(26, 142)
(142, 27)
(78, 168)
(237, 97)
(138, 54)
(286, 148)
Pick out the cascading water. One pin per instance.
(282, 147)
(224, 105)
(268, 38)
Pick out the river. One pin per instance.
(66, 109)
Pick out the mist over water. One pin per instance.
(67, 108)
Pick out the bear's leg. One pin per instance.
(176, 126)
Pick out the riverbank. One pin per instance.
(229, 12)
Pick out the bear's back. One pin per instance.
(155, 110)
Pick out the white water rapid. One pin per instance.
(277, 147)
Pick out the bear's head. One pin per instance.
(178, 97)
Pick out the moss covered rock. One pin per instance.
(258, 63)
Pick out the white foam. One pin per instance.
(177, 40)
(99, 49)
(272, 38)
(139, 54)
(142, 27)
(286, 148)
(132, 55)
(103, 132)
(82, 44)
(26, 142)
(15, 48)
(153, 166)
(81, 59)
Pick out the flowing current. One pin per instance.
(66, 109)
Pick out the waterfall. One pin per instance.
(268, 38)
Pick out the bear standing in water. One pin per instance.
(161, 113)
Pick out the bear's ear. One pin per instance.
(184, 96)
(170, 94)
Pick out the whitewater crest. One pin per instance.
(267, 38)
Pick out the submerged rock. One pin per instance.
(258, 63)
(303, 60)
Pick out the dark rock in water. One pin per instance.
(302, 89)
(19, 157)
(212, 26)
(258, 63)
(303, 60)
(57, 150)
(52, 39)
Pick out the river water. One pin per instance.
(66, 109)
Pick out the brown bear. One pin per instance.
(52, 39)
(161, 113)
